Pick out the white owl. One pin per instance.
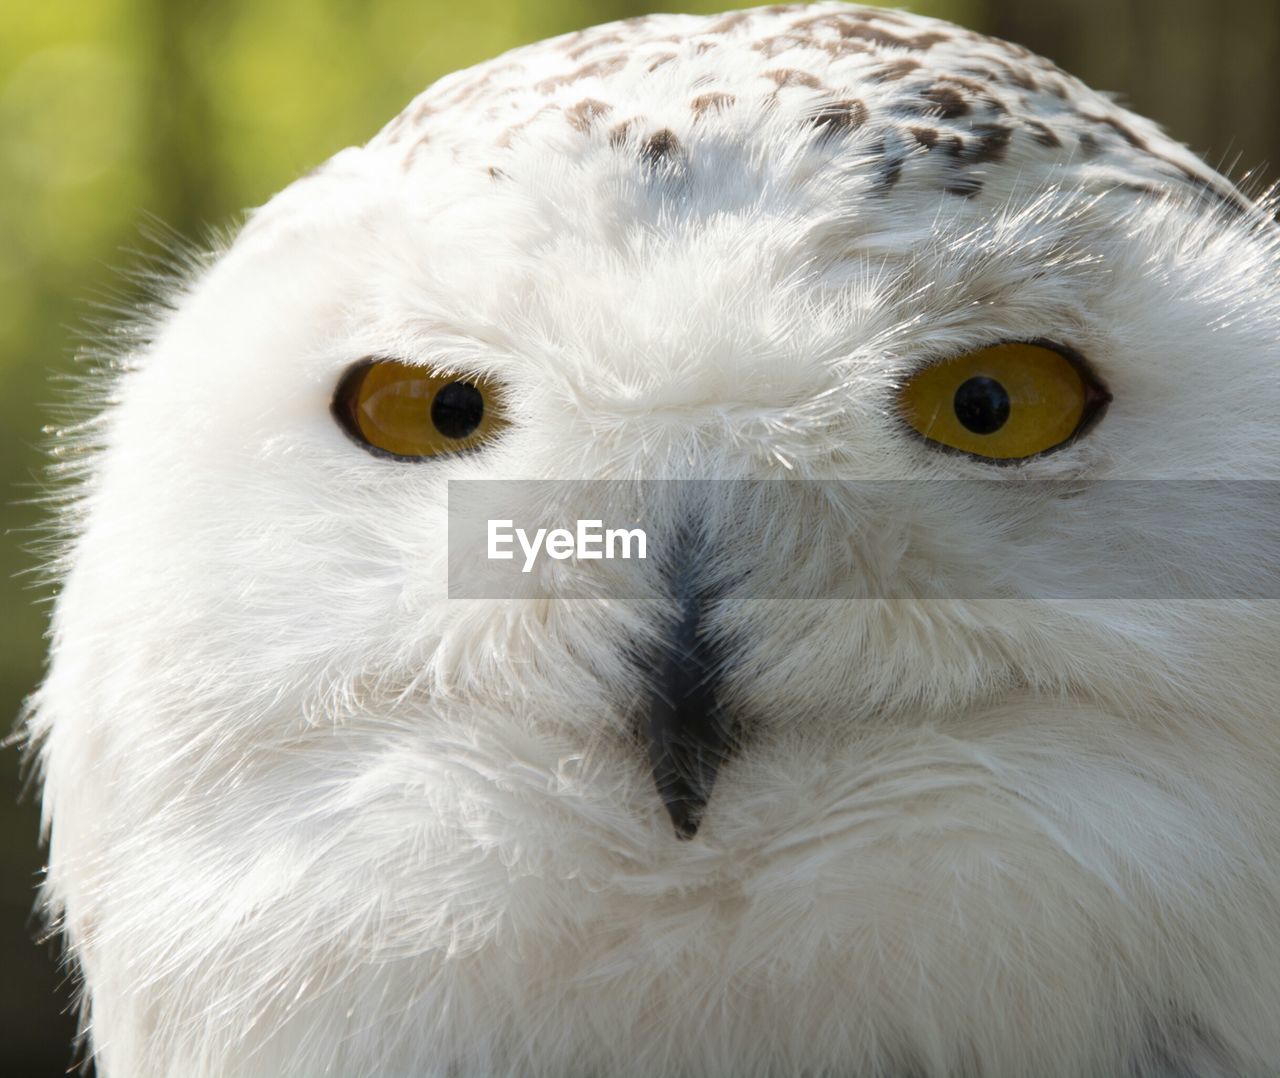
(309, 815)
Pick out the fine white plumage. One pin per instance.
(308, 815)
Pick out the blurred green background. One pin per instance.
(112, 110)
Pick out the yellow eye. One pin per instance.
(1007, 402)
(402, 410)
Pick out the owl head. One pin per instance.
(913, 354)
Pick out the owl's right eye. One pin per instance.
(410, 412)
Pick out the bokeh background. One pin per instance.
(114, 113)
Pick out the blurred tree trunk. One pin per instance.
(1209, 74)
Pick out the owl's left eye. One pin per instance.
(1004, 403)
(409, 412)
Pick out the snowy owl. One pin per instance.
(909, 810)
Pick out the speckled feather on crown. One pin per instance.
(922, 102)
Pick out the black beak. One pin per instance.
(688, 733)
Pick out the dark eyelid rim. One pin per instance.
(1097, 398)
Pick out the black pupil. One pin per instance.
(982, 405)
(457, 410)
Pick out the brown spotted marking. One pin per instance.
(1042, 133)
(621, 132)
(597, 69)
(839, 117)
(991, 144)
(789, 76)
(1017, 76)
(965, 84)
(586, 112)
(414, 151)
(794, 39)
(395, 129)
(946, 102)
(770, 47)
(983, 73)
(571, 40)
(1148, 189)
(509, 135)
(466, 92)
(889, 170)
(661, 149)
(964, 186)
(730, 22)
(840, 46)
(981, 93)
(880, 15)
(712, 102)
(894, 70)
(858, 26)
(596, 43)
(1120, 129)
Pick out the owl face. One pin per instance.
(858, 780)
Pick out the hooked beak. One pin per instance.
(688, 732)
